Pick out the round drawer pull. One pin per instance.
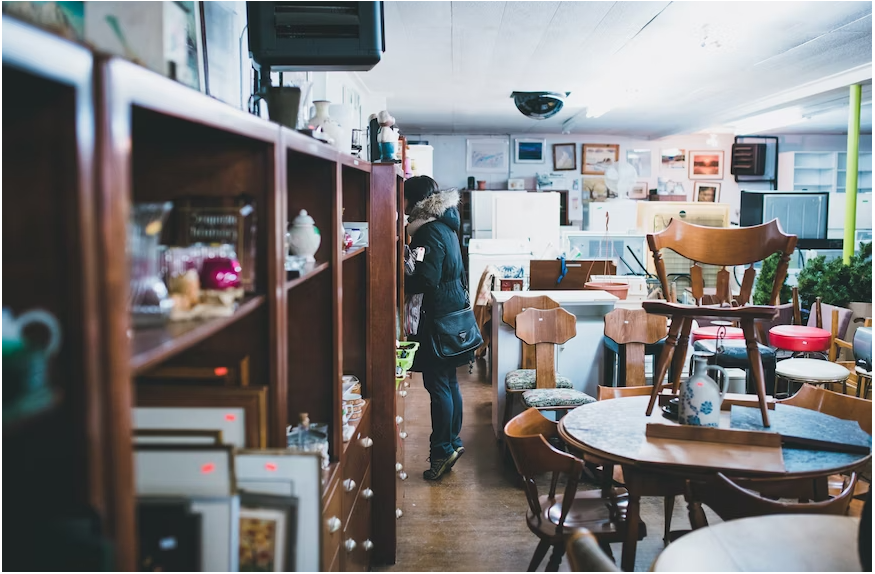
(333, 524)
(349, 544)
(399, 467)
(403, 434)
(368, 545)
(399, 420)
(406, 384)
(402, 393)
(402, 475)
(399, 513)
(367, 442)
(367, 494)
(349, 485)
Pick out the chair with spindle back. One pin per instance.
(554, 516)
(723, 247)
(524, 379)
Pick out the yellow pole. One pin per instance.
(851, 174)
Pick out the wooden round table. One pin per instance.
(614, 430)
(779, 543)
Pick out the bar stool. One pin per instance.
(734, 356)
(709, 333)
(811, 371)
(800, 339)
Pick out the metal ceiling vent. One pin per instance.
(539, 105)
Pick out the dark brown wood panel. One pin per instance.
(356, 191)
(355, 320)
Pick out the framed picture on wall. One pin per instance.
(706, 191)
(597, 158)
(639, 190)
(528, 150)
(674, 158)
(706, 164)
(487, 156)
(564, 157)
(640, 160)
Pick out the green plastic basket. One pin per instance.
(406, 363)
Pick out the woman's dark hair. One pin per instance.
(418, 188)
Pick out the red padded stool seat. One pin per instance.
(708, 333)
(799, 338)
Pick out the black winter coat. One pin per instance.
(439, 276)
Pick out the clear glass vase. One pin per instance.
(150, 302)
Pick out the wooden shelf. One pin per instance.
(355, 425)
(155, 345)
(316, 270)
(353, 252)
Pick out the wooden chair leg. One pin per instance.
(665, 358)
(669, 510)
(680, 354)
(756, 365)
(538, 556)
(508, 411)
(556, 558)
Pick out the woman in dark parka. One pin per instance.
(433, 224)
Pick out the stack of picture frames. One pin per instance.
(210, 497)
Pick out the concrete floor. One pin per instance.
(473, 519)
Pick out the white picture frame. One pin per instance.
(705, 164)
(706, 191)
(487, 156)
(285, 473)
(641, 160)
(530, 150)
(230, 421)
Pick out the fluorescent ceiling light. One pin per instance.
(769, 121)
(597, 111)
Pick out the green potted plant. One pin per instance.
(766, 278)
(835, 283)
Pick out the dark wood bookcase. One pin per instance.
(87, 137)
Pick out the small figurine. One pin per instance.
(387, 136)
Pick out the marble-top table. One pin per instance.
(615, 430)
(778, 543)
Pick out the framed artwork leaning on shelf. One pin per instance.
(195, 406)
(267, 532)
(201, 369)
(706, 191)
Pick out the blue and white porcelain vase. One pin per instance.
(701, 397)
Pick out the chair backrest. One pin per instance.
(585, 554)
(607, 393)
(543, 329)
(634, 328)
(484, 287)
(834, 404)
(724, 247)
(526, 435)
(832, 318)
(516, 305)
(730, 501)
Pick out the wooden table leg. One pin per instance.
(664, 360)
(633, 517)
(756, 366)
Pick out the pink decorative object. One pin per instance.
(220, 273)
(347, 240)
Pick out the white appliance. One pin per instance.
(623, 216)
(481, 211)
(421, 159)
(532, 216)
(485, 252)
(598, 245)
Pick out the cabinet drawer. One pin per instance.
(357, 547)
(357, 459)
(332, 525)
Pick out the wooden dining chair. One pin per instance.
(554, 516)
(585, 554)
(722, 247)
(731, 501)
(629, 335)
(518, 381)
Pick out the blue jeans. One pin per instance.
(446, 410)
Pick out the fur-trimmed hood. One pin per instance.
(440, 206)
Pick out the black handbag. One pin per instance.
(456, 333)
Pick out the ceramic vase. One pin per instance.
(320, 115)
(701, 397)
(304, 237)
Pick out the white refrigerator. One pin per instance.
(485, 252)
(517, 215)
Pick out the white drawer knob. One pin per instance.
(367, 545)
(399, 467)
(403, 434)
(402, 475)
(349, 485)
(333, 524)
(367, 442)
(367, 494)
(399, 420)
(399, 513)
(349, 544)
(406, 384)
(402, 393)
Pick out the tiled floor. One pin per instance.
(473, 519)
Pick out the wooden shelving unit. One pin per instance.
(146, 138)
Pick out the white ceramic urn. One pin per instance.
(304, 236)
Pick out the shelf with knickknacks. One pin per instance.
(387, 137)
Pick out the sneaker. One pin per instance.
(459, 452)
(439, 466)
